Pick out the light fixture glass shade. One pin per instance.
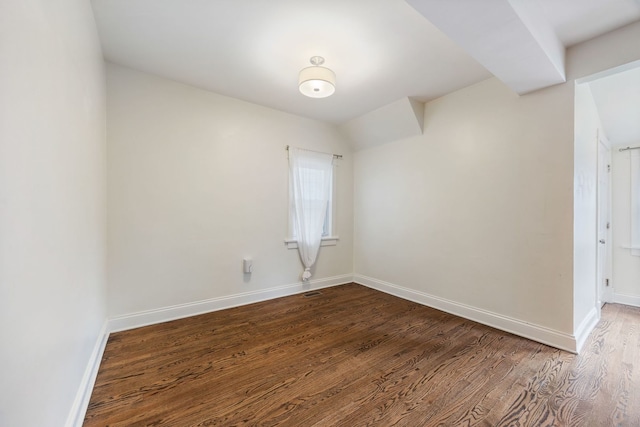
(317, 82)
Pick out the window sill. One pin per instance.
(326, 241)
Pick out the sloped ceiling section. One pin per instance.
(617, 99)
(511, 38)
(400, 119)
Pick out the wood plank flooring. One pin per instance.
(357, 357)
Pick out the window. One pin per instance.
(314, 176)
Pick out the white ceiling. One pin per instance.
(380, 50)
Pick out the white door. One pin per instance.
(603, 264)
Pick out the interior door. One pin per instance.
(603, 265)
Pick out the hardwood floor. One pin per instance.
(357, 357)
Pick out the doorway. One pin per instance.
(614, 98)
(606, 266)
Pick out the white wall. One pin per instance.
(52, 206)
(610, 50)
(478, 209)
(196, 182)
(477, 215)
(626, 267)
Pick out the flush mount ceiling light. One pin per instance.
(317, 81)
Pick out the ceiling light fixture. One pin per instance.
(317, 81)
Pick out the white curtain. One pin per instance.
(310, 180)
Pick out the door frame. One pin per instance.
(604, 284)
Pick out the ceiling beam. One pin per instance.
(510, 38)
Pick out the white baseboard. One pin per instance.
(533, 332)
(81, 402)
(165, 314)
(585, 328)
(633, 300)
